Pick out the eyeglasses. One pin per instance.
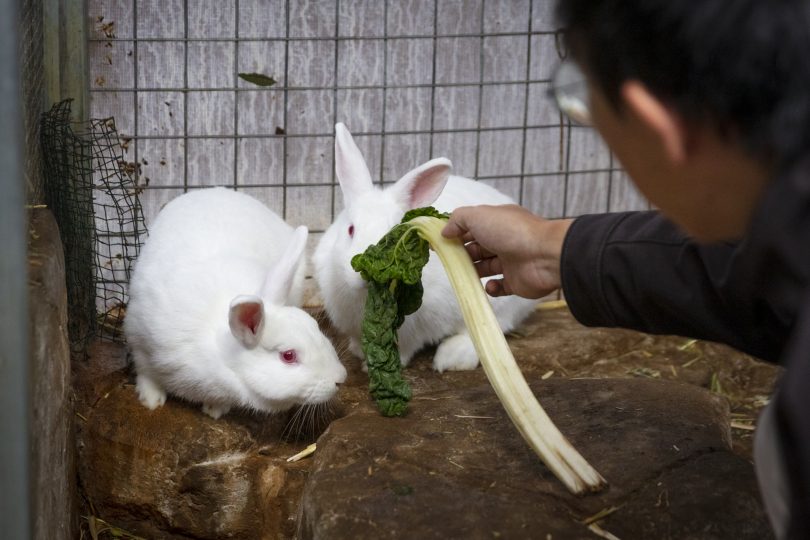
(569, 89)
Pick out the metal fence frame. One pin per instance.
(14, 407)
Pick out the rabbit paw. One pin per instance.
(356, 348)
(456, 353)
(149, 393)
(215, 411)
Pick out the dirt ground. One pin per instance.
(553, 344)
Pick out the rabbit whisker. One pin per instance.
(292, 426)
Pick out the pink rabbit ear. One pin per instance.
(246, 319)
(423, 185)
(350, 166)
(279, 281)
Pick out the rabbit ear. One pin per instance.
(423, 185)
(279, 282)
(246, 319)
(352, 171)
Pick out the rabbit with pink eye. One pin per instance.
(213, 317)
(369, 213)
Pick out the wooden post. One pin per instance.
(65, 54)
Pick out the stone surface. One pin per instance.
(456, 467)
(53, 466)
(710, 496)
(175, 473)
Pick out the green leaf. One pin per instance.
(393, 268)
(424, 211)
(258, 79)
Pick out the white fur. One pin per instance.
(373, 211)
(216, 260)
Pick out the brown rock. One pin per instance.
(455, 467)
(176, 473)
(53, 466)
(709, 496)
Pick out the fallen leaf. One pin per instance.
(258, 79)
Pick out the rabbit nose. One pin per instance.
(340, 379)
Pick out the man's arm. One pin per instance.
(638, 270)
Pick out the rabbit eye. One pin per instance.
(289, 356)
(351, 230)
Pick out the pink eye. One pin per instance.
(289, 356)
(351, 230)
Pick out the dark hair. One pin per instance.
(742, 66)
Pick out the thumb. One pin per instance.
(456, 225)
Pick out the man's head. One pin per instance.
(701, 101)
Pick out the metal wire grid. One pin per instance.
(389, 36)
(91, 190)
(32, 82)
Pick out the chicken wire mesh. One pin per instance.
(412, 79)
(32, 80)
(92, 192)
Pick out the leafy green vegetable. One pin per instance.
(393, 268)
(398, 261)
(258, 79)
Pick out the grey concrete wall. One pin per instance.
(412, 79)
(415, 79)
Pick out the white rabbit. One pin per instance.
(207, 319)
(369, 213)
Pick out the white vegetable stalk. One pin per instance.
(502, 371)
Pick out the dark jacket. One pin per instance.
(637, 270)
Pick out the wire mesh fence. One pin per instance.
(412, 79)
(32, 79)
(92, 191)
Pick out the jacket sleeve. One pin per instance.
(638, 270)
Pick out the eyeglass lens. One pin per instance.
(571, 92)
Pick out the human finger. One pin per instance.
(454, 229)
(467, 237)
(477, 251)
(489, 267)
(495, 287)
(457, 224)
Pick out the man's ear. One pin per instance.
(664, 123)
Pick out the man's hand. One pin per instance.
(511, 241)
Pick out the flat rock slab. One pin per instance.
(175, 472)
(53, 456)
(455, 467)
